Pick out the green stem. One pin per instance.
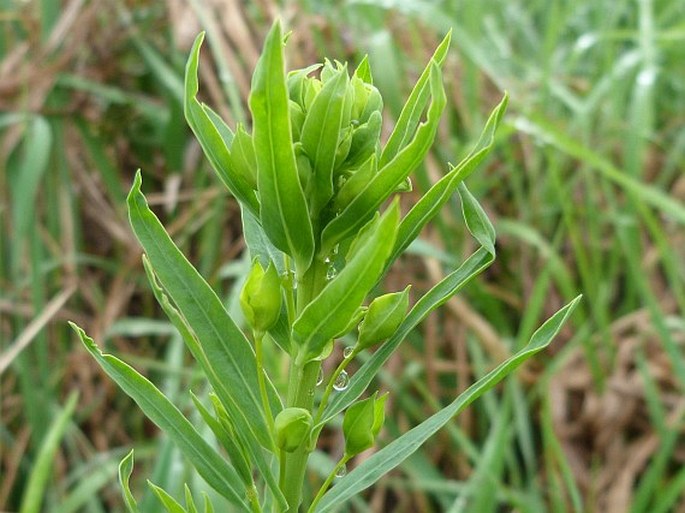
(328, 482)
(301, 385)
(258, 338)
(255, 507)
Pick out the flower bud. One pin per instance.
(384, 316)
(362, 423)
(260, 298)
(292, 427)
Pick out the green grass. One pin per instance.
(585, 189)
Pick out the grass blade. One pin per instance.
(40, 473)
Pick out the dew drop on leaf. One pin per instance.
(341, 381)
(347, 352)
(342, 470)
(331, 273)
(319, 378)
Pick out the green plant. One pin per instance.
(311, 179)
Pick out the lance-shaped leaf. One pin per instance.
(218, 358)
(228, 441)
(125, 471)
(414, 107)
(169, 503)
(431, 202)
(378, 465)
(320, 135)
(338, 303)
(223, 350)
(208, 128)
(157, 407)
(390, 176)
(284, 214)
(435, 297)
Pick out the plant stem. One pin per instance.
(258, 338)
(301, 385)
(343, 461)
(254, 500)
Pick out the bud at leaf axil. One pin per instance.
(362, 423)
(292, 426)
(384, 316)
(260, 298)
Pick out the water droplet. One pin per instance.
(342, 470)
(319, 378)
(348, 351)
(341, 381)
(327, 261)
(331, 273)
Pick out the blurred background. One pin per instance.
(585, 188)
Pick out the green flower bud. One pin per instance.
(384, 316)
(260, 298)
(292, 427)
(362, 423)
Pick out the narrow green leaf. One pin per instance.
(415, 105)
(333, 309)
(284, 214)
(431, 202)
(235, 453)
(225, 354)
(212, 467)
(259, 244)
(434, 298)
(363, 71)
(25, 179)
(390, 176)
(190, 503)
(476, 219)
(208, 128)
(169, 503)
(35, 490)
(320, 135)
(125, 471)
(219, 357)
(401, 448)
